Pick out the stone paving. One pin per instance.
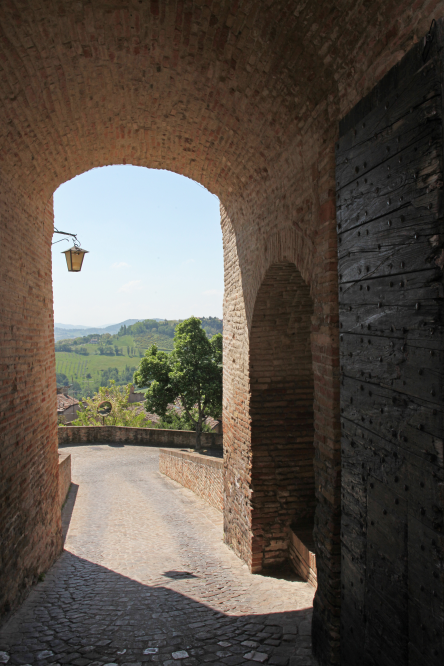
(145, 577)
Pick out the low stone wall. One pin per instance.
(302, 557)
(201, 474)
(64, 476)
(143, 436)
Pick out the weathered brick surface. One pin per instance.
(244, 98)
(30, 524)
(302, 559)
(64, 476)
(144, 436)
(281, 409)
(201, 474)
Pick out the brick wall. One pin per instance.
(30, 526)
(244, 98)
(201, 474)
(302, 557)
(144, 436)
(281, 410)
(64, 476)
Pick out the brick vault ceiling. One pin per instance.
(212, 90)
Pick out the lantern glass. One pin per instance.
(74, 258)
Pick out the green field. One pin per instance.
(132, 341)
(77, 366)
(162, 341)
(71, 364)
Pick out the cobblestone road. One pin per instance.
(146, 577)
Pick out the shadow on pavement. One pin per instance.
(86, 614)
(179, 575)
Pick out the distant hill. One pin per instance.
(78, 331)
(86, 365)
(161, 332)
(68, 326)
(143, 332)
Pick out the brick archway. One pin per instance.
(281, 412)
(244, 98)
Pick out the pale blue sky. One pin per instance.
(155, 247)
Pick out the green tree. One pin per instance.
(173, 420)
(75, 388)
(121, 414)
(62, 379)
(192, 373)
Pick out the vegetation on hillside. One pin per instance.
(85, 376)
(141, 334)
(94, 410)
(119, 353)
(175, 420)
(191, 373)
(161, 333)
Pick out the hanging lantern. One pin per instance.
(74, 258)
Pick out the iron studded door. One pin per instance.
(389, 177)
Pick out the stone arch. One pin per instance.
(281, 412)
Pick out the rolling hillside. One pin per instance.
(86, 365)
(68, 331)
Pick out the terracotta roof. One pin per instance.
(139, 409)
(213, 423)
(65, 401)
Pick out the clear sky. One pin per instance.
(155, 247)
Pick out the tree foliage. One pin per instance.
(211, 325)
(175, 420)
(192, 373)
(121, 413)
(62, 379)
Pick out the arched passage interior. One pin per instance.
(244, 98)
(281, 412)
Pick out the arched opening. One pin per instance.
(281, 412)
(151, 234)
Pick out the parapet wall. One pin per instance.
(302, 558)
(64, 476)
(142, 436)
(201, 474)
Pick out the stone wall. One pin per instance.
(143, 436)
(201, 474)
(64, 476)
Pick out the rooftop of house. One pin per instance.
(65, 401)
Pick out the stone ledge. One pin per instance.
(200, 473)
(64, 476)
(302, 556)
(198, 458)
(142, 436)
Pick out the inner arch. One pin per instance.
(281, 411)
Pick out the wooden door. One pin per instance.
(389, 172)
